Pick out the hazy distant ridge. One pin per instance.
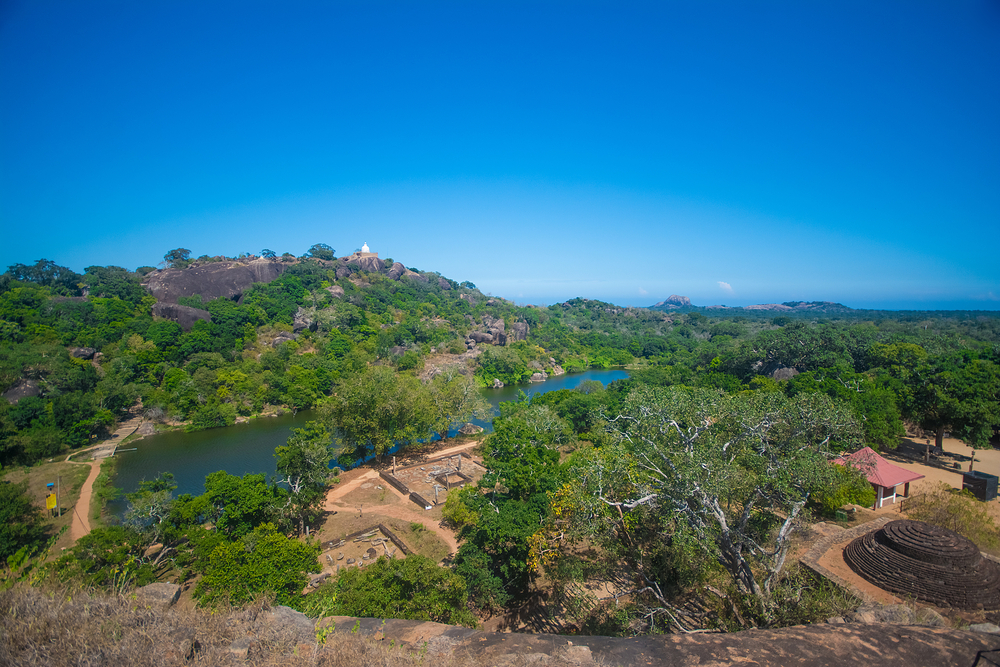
(675, 302)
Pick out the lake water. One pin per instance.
(249, 448)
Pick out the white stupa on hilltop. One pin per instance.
(364, 252)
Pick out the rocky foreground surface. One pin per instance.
(819, 645)
(863, 644)
(147, 628)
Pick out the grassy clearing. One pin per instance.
(69, 477)
(421, 541)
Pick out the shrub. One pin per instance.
(414, 587)
(850, 488)
(958, 511)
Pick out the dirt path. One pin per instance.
(81, 511)
(81, 521)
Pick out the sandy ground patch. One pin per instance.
(986, 460)
(363, 499)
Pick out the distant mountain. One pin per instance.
(675, 302)
(671, 302)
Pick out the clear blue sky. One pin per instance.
(732, 152)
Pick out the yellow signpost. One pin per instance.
(50, 501)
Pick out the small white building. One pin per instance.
(884, 476)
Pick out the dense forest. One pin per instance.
(694, 469)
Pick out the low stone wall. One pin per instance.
(812, 557)
(384, 530)
(420, 500)
(395, 540)
(417, 498)
(388, 477)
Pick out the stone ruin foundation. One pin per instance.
(926, 562)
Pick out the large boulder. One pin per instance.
(344, 272)
(185, 316)
(304, 319)
(481, 337)
(283, 338)
(22, 389)
(228, 279)
(518, 331)
(444, 284)
(181, 645)
(336, 291)
(539, 377)
(496, 328)
(415, 276)
(397, 271)
(370, 264)
(294, 623)
(82, 352)
(160, 595)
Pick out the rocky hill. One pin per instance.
(146, 627)
(231, 278)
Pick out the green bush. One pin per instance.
(262, 562)
(414, 587)
(851, 487)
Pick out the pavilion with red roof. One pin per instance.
(884, 476)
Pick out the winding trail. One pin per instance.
(406, 511)
(80, 525)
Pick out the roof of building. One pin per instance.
(879, 471)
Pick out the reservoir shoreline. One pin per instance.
(249, 447)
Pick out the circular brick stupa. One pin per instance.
(932, 564)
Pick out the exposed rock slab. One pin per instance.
(158, 594)
(849, 645)
(22, 389)
(218, 279)
(185, 316)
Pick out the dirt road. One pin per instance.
(81, 512)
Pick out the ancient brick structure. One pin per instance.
(919, 560)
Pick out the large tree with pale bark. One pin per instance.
(701, 475)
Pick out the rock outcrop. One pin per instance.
(159, 594)
(304, 319)
(673, 301)
(397, 271)
(22, 389)
(371, 264)
(228, 279)
(185, 316)
(819, 645)
(518, 331)
(775, 370)
(82, 352)
(336, 291)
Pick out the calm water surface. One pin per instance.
(249, 448)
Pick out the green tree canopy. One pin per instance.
(376, 409)
(263, 561)
(414, 587)
(727, 474)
